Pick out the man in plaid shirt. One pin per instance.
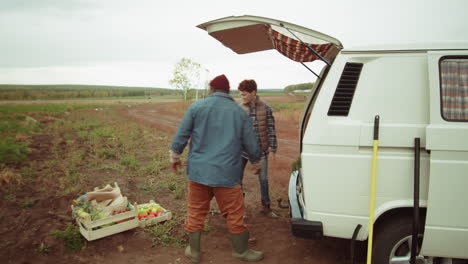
(264, 126)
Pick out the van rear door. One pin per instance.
(246, 34)
(446, 228)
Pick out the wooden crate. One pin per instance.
(109, 225)
(166, 215)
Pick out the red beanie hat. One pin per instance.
(220, 82)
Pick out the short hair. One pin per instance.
(247, 86)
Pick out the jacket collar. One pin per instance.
(220, 94)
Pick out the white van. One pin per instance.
(418, 91)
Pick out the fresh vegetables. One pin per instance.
(88, 211)
(149, 210)
(85, 210)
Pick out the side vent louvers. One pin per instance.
(341, 102)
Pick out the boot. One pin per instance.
(241, 250)
(266, 210)
(193, 249)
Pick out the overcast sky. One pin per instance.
(137, 43)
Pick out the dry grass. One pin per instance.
(288, 115)
(180, 107)
(9, 176)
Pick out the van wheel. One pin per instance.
(392, 243)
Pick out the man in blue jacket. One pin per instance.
(219, 130)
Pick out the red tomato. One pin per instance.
(141, 216)
(159, 212)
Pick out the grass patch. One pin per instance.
(103, 132)
(287, 111)
(106, 153)
(12, 152)
(41, 108)
(165, 234)
(13, 124)
(280, 106)
(71, 236)
(87, 125)
(130, 162)
(53, 109)
(27, 202)
(27, 173)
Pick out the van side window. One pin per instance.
(341, 102)
(454, 88)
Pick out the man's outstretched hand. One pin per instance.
(175, 161)
(176, 165)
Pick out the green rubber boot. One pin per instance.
(241, 249)
(193, 249)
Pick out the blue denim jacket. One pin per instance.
(218, 129)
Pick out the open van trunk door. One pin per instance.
(446, 228)
(246, 34)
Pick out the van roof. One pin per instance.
(412, 46)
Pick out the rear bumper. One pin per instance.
(299, 226)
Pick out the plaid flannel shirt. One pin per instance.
(271, 131)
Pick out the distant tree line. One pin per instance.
(294, 87)
(24, 92)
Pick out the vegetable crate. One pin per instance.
(109, 225)
(146, 219)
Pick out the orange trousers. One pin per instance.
(230, 202)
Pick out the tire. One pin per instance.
(391, 240)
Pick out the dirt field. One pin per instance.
(23, 231)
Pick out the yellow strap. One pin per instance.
(372, 199)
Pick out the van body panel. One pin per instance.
(337, 150)
(448, 137)
(343, 225)
(447, 216)
(343, 180)
(393, 135)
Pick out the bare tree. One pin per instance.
(187, 75)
